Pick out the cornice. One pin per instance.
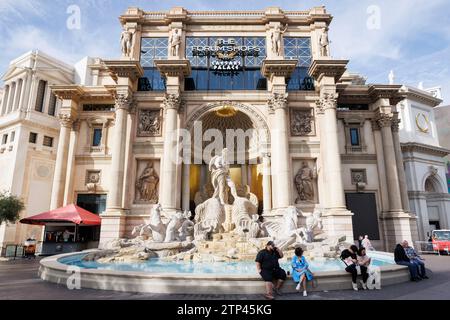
(423, 148)
(124, 69)
(67, 92)
(278, 67)
(327, 67)
(386, 91)
(174, 67)
(420, 96)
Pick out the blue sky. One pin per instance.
(413, 38)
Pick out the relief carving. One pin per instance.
(304, 183)
(147, 185)
(301, 123)
(149, 124)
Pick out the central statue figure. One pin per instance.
(220, 174)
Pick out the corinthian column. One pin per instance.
(281, 176)
(267, 187)
(168, 194)
(59, 178)
(115, 195)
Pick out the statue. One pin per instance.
(276, 36)
(156, 225)
(220, 172)
(313, 222)
(391, 77)
(206, 192)
(242, 207)
(304, 183)
(147, 184)
(126, 41)
(175, 42)
(175, 225)
(142, 231)
(286, 232)
(187, 227)
(324, 43)
(209, 219)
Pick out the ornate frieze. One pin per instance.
(172, 101)
(149, 123)
(302, 122)
(277, 101)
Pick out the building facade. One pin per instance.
(318, 136)
(443, 126)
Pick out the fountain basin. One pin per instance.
(199, 278)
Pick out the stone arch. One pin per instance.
(433, 184)
(256, 117)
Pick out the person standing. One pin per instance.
(360, 239)
(367, 244)
(269, 269)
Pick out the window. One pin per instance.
(206, 74)
(98, 107)
(48, 141)
(40, 96)
(52, 105)
(299, 48)
(4, 139)
(354, 137)
(13, 136)
(97, 137)
(33, 137)
(152, 49)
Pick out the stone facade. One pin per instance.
(332, 124)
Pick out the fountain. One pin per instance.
(174, 251)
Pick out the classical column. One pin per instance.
(122, 104)
(400, 166)
(267, 188)
(70, 175)
(186, 197)
(19, 86)
(168, 196)
(62, 157)
(5, 100)
(281, 173)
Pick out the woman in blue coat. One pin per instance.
(300, 270)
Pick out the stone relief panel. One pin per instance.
(305, 181)
(149, 123)
(302, 122)
(359, 176)
(147, 182)
(92, 180)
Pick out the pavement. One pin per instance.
(19, 281)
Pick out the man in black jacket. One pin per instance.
(402, 259)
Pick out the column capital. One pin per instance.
(277, 101)
(326, 101)
(327, 68)
(66, 120)
(172, 101)
(384, 120)
(123, 101)
(396, 123)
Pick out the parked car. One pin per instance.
(441, 241)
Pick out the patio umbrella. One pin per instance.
(70, 213)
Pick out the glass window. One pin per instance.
(48, 141)
(52, 105)
(152, 49)
(206, 72)
(13, 136)
(354, 136)
(95, 203)
(299, 48)
(4, 139)
(33, 137)
(40, 96)
(97, 137)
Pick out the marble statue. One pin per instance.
(391, 77)
(209, 218)
(276, 37)
(220, 172)
(286, 232)
(126, 41)
(313, 223)
(175, 42)
(147, 184)
(157, 226)
(174, 224)
(143, 231)
(324, 43)
(241, 206)
(304, 183)
(187, 228)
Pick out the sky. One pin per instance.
(411, 37)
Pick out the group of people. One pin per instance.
(355, 259)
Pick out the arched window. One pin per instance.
(432, 185)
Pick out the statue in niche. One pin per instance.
(324, 43)
(175, 42)
(304, 182)
(147, 184)
(220, 173)
(276, 37)
(126, 41)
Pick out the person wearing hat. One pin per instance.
(269, 269)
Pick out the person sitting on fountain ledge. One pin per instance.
(300, 270)
(349, 257)
(269, 269)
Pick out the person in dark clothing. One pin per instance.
(351, 261)
(360, 239)
(402, 259)
(269, 269)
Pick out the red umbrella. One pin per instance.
(70, 213)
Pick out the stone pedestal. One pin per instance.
(113, 227)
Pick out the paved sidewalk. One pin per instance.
(19, 280)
